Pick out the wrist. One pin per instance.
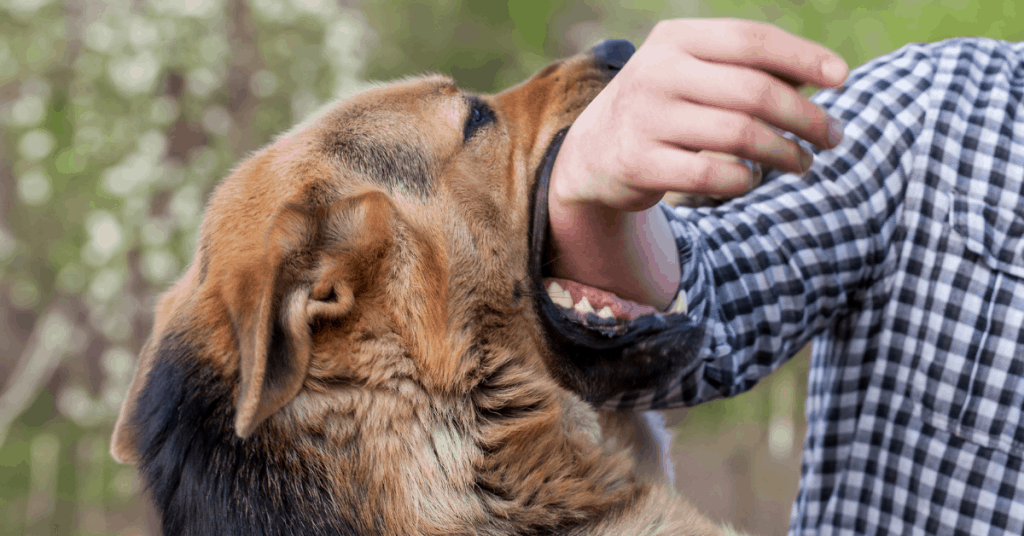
(632, 254)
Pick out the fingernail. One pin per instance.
(806, 159)
(755, 176)
(835, 131)
(834, 70)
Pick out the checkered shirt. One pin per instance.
(900, 255)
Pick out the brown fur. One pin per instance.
(360, 296)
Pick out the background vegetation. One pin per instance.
(119, 117)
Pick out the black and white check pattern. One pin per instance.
(901, 255)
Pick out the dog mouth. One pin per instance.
(592, 306)
(599, 311)
(600, 343)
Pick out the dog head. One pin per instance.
(380, 266)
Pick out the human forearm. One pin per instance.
(632, 254)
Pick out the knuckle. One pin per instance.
(750, 37)
(795, 150)
(752, 133)
(757, 91)
(743, 132)
(704, 176)
(665, 29)
(674, 34)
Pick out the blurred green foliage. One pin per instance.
(119, 117)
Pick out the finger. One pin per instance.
(761, 95)
(754, 167)
(679, 170)
(757, 45)
(697, 127)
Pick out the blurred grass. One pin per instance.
(118, 118)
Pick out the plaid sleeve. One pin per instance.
(767, 272)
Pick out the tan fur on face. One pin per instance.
(360, 290)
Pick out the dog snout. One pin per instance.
(612, 54)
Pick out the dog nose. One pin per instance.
(613, 53)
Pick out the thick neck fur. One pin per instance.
(514, 454)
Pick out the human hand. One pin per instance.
(694, 85)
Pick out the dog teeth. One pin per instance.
(560, 297)
(584, 306)
(605, 312)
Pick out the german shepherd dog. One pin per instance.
(364, 343)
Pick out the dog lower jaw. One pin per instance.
(597, 357)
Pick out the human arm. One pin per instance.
(809, 253)
(803, 253)
(694, 85)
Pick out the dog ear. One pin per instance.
(302, 284)
(307, 268)
(318, 260)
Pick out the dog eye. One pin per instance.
(480, 114)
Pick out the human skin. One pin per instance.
(720, 85)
